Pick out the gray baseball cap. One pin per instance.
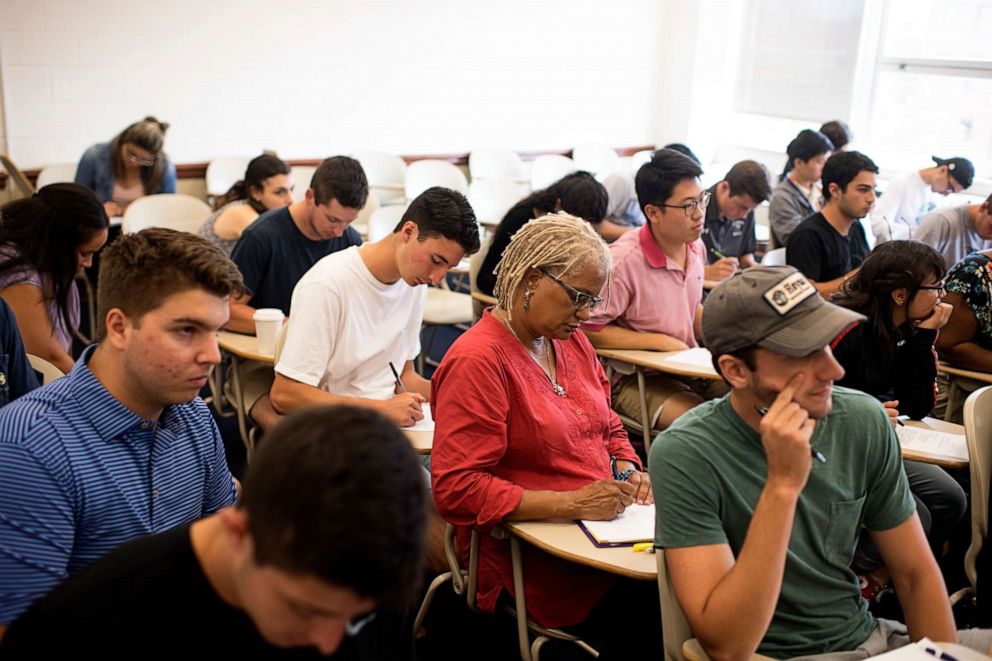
(774, 307)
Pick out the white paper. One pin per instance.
(636, 524)
(922, 650)
(933, 442)
(697, 357)
(427, 424)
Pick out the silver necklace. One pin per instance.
(557, 387)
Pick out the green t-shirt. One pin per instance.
(708, 470)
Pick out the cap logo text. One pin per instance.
(789, 293)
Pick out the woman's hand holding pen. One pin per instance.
(892, 410)
(601, 500)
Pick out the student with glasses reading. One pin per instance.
(890, 356)
(656, 292)
(524, 431)
(130, 166)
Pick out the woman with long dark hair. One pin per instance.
(130, 166)
(891, 356)
(578, 194)
(45, 240)
(266, 185)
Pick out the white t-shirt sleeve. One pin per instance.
(310, 334)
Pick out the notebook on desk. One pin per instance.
(932, 441)
(635, 525)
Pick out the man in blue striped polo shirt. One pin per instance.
(121, 446)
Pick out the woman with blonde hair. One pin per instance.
(524, 431)
(130, 166)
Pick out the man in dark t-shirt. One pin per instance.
(281, 245)
(728, 227)
(290, 572)
(829, 246)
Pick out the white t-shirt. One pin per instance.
(347, 327)
(898, 210)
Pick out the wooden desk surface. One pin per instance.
(660, 361)
(242, 346)
(968, 374)
(422, 441)
(566, 540)
(930, 457)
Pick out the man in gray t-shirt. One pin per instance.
(957, 231)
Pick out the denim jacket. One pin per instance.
(95, 171)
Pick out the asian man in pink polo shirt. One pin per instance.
(656, 288)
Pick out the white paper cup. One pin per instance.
(267, 324)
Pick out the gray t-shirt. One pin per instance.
(951, 232)
(624, 208)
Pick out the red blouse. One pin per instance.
(500, 429)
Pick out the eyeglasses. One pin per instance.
(136, 158)
(580, 299)
(354, 627)
(940, 286)
(690, 208)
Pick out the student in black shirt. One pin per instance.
(891, 356)
(829, 245)
(318, 558)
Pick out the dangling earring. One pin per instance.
(527, 296)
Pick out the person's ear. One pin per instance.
(118, 326)
(734, 370)
(900, 296)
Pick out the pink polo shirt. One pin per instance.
(648, 291)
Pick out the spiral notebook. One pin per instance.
(635, 525)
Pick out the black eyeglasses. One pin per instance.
(940, 286)
(580, 299)
(690, 208)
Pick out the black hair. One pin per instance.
(806, 145)
(259, 169)
(844, 167)
(838, 132)
(47, 229)
(749, 178)
(657, 178)
(313, 509)
(443, 212)
(891, 265)
(340, 178)
(682, 149)
(578, 193)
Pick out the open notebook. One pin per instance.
(636, 524)
(935, 442)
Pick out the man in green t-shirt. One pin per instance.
(761, 494)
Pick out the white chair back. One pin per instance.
(56, 173)
(495, 164)
(548, 169)
(302, 174)
(223, 172)
(48, 371)
(421, 175)
(173, 210)
(492, 198)
(384, 220)
(978, 431)
(774, 258)
(361, 223)
(674, 627)
(596, 158)
(386, 174)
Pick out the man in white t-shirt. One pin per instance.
(359, 310)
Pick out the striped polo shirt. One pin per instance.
(80, 473)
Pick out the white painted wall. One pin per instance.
(314, 77)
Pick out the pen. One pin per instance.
(816, 454)
(399, 384)
(644, 547)
(899, 420)
(718, 254)
(613, 467)
(940, 654)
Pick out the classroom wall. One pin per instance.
(314, 77)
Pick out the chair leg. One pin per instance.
(521, 601)
(425, 605)
(645, 414)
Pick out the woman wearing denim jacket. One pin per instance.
(129, 166)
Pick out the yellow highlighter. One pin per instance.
(644, 547)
